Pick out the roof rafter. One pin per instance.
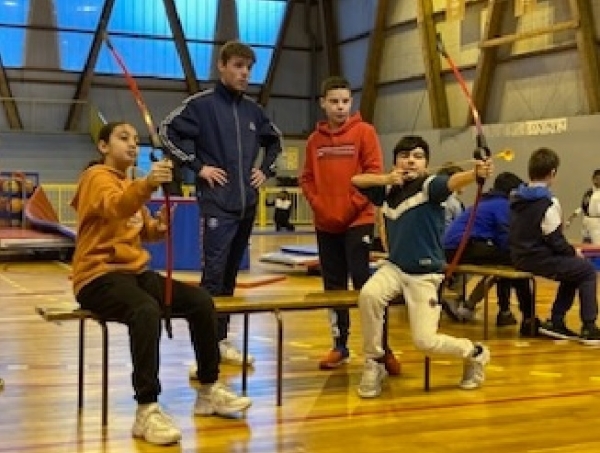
(265, 90)
(191, 80)
(373, 63)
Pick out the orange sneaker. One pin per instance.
(334, 358)
(391, 363)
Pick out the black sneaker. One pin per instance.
(557, 330)
(505, 318)
(590, 336)
(525, 330)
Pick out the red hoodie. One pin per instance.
(332, 158)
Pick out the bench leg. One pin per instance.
(533, 295)
(426, 379)
(245, 354)
(279, 357)
(104, 374)
(488, 283)
(81, 364)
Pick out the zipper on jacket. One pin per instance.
(240, 160)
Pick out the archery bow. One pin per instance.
(482, 151)
(156, 144)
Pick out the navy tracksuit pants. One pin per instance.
(224, 242)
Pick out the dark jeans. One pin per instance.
(574, 274)
(137, 301)
(484, 253)
(342, 255)
(224, 242)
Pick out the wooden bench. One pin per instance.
(490, 274)
(245, 305)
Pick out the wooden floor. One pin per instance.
(540, 396)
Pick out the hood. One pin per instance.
(526, 193)
(88, 174)
(323, 126)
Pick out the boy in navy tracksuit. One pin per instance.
(488, 244)
(537, 245)
(218, 134)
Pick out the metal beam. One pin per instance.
(85, 79)
(588, 52)
(373, 64)
(486, 63)
(182, 49)
(265, 89)
(10, 106)
(330, 36)
(438, 101)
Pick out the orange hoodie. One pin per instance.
(332, 158)
(112, 223)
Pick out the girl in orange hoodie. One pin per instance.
(111, 278)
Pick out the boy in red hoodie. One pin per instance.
(340, 147)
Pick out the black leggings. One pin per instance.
(136, 300)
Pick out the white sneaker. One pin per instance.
(219, 399)
(155, 426)
(229, 354)
(474, 369)
(374, 374)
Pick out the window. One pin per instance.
(142, 57)
(141, 32)
(198, 18)
(259, 22)
(13, 17)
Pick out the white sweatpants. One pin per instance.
(421, 295)
(592, 226)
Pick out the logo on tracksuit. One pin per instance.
(212, 223)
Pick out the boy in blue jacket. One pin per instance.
(538, 245)
(488, 244)
(218, 133)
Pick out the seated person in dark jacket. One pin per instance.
(538, 245)
(283, 211)
(488, 244)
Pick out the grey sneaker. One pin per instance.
(465, 313)
(154, 426)
(474, 369)
(374, 374)
(219, 399)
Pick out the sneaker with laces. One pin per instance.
(391, 363)
(474, 369)
(465, 313)
(219, 399)
(590, 335)
(335, 358)
(505, 318)
(229, 354)
(374, 374)
(557, 329)
(450, 308)
(232, 355)
(154, 426)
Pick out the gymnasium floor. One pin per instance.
(540, 396)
